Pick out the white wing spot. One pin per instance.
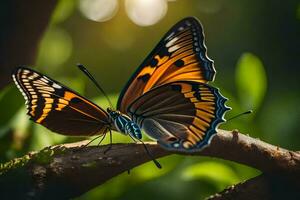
(173, 48)
(44, 80)
(176, 145)
(56, 86)
(171, 42)
(169, 36)
(188, 23)
(32, 76)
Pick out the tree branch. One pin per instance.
(66, 171)
(261, 187)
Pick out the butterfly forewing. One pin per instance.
(181, 116)
(179, 56)
(58, 108)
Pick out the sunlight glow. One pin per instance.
(146, 12)
(99, 10)
(55, 48)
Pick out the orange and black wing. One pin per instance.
(179, 56)
(181, 116)
(58, 108)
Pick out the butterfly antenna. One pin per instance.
(88, 74)
(244, 113)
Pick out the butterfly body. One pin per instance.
(124, 124)
(168, 97)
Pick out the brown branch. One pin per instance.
(23, 24)
(261, 187)
(67, 171)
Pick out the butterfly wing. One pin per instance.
(180, 55)
(181, 116)
(58, 108)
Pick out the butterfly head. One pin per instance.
(113, 113)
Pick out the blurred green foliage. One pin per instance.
(254, 47)
(6, 116)
(218, 172)
(55, 48)
(251, 81)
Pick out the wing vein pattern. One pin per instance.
(181, 116)
(179, 56)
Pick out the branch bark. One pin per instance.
(66, 171)
(265, 186)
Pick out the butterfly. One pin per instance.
(168, 97)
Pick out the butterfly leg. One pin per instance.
(158, 165)
(101, 135)
(82, 147)
(132, 138)
(101, 139)
(110, 143)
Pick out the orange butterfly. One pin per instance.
(168, 96)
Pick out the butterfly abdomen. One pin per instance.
(133, 129)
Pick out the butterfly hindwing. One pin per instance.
(179, 56)
(58, 108)
(181, 116)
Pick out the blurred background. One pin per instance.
(255, 46)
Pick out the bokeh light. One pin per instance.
(113, 34)
(146, 12)
(99, 10)
(55, 48)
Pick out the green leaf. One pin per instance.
(217, 173)
(251, 81)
